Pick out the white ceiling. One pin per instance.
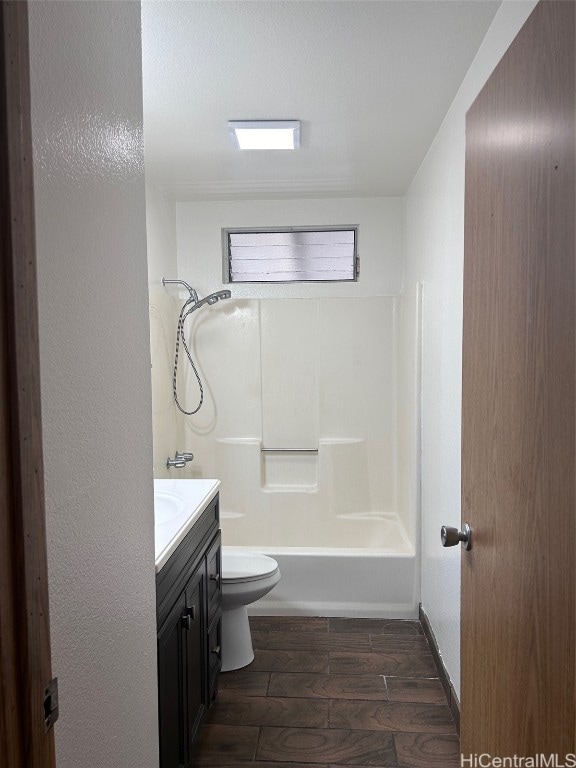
(370, 81)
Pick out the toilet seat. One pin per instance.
(238, 567)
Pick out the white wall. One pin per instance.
(408, 375)
(293, 364)
(435, 250)
(255, 390)
(160, 235)
(166, 420)
(95, 368)
(164, 307)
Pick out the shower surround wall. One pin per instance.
(300, 407)
(288, 374)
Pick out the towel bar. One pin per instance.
(289, 450)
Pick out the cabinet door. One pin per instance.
(214, 656)
(214, 585)
(173, 739)
(195, 643)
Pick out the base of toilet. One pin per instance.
(237, 651)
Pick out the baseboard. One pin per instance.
(265, 607)
(453, 702)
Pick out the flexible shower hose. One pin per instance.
(180, 336)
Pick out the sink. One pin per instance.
(167, 506)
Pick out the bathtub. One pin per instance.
(342, 548)
(356, 581)
(340, 582)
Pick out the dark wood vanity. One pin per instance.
(189, 614)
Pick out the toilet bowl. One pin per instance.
(246, 577)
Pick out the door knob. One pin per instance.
(452, 536)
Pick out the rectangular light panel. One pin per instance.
(265, 134)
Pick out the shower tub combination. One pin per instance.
(337, 557)
(338, 514)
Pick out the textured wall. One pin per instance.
(95, 366)
(435, 256)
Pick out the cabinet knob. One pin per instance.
(215, 577)
(188, 617)
(216, 650)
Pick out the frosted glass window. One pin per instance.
(290, 255)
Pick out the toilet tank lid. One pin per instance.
(247, 565)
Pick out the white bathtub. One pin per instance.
(319, 515)
(360, 581)
(332, 582)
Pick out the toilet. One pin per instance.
(246, 577)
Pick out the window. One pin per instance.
(290, 255)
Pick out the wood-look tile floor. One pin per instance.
(323, 693)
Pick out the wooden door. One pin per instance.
(25, 666)
(518, 421)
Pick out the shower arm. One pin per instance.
(193, 295)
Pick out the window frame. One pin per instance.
(227, 260)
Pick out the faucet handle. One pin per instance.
(184, 456)
(175, 463)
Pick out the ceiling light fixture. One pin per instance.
(265, 134)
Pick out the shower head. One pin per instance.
(212, 298)
(218, 295)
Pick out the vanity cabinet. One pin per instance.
(189, 608)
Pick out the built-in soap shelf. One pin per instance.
(247, 466)
(289, 470)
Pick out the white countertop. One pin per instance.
(186, 499)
